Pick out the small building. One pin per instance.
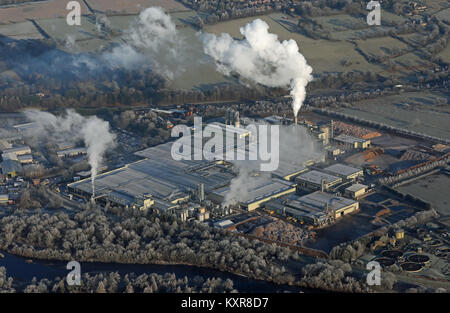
(317, 208)
(25, 159)
(344, 171)
(4, 199)
(164, 207)
(399, 234)
(333, 152)
(355, 191)
(223, 224)
(274, 120)
(351, 142)
(71, 152)
(316, 180)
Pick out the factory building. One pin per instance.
(315, 180)
(123, 199)
(344, 171)
(262, 191)
(158, 175)
(232, 118)
(318, 208)
(5, 145)
(25, 159)
(350, 142)
(356, 191)
(4, 199)
(288, 170)
(70, 153)
(275, 120)
(223, 224)
(11, 168)
(230, 130)
(20, 150)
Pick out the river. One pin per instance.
(22, 271)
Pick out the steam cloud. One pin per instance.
(72, 126)
(151, 39)
(262, 58)
(296, 148)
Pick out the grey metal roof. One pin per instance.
(317, 176)
(342, 169)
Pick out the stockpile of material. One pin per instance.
(353, 130)
(279, 230)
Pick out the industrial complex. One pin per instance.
(202, 187)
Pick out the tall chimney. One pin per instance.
(296, 120)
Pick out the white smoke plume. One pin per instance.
(261, 58)
(152, 39)
(72, 126)
(297, 147)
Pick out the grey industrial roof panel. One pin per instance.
(342, 169)
(317, 176)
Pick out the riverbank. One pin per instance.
(22, 271)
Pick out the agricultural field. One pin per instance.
(356, 34)
(341, 22)
(437, 6)
(21, 30)
(445, 54)
(36, 11)
(59, 30)
(408, 62)
(414, 111)
(383, 46)
(133, 6)
(432, 189)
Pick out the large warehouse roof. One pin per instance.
(316, 177)
(159, 176)
(261, 189)
(320, 200)
(342, 169)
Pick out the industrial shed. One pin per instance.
(262, 191)
(316, 180)
(317, 208)
(344, 171)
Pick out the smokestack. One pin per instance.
(332, 129)
(201, 192)
(296, 120)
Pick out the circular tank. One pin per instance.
(384, 262)
(419, 258)
(413, 247)
(411, 266)
(393, 254)
(435, 243)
